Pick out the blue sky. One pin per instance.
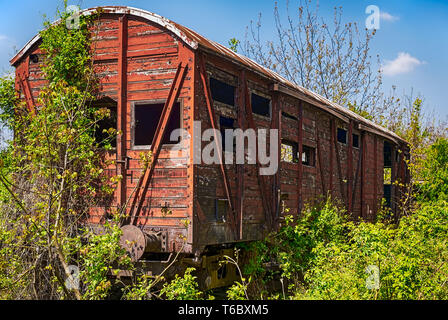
(412, 40)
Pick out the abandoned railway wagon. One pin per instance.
(157, 76)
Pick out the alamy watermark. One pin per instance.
(373, 20)
(241, 147)
(72, 21)
(72, 282)
(373, 279)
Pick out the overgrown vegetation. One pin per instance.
(411, 257)
(54, 172)
(323, 254)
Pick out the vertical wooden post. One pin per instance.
(319, 158)
(332, 138)
(339, 167)
(275, 124)
(350, 168)
(122, 108)
(375, 175)
(401, 186)
(363, 174)
(393, 179)
(240, 167)
(300, 151)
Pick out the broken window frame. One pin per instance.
(338, 136)
(289, 116)
(106, 102)
(263, 97)
(310, 155)
(222, 129)
(388, 154)
(295, 151)
(133, 122)
(388, 157)
(217, 79)
(357, 140)
(224, 205)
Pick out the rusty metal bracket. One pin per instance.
(156, 144)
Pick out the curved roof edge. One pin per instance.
(120, 10)
(194, 40)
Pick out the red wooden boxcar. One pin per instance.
(159, 75)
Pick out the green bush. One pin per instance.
(323, 255)
(435, 172)
(182, 288)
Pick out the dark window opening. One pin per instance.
(226, 123)
(222, 271)
(387, 155)
(260, 105)
(388, 195)
(289, 151)
(147, 116)
(388, 173)
(222, 92)
(34, 58)
(309, 156)
(387, 177)
(220, 209)
(342, 136)
(284, 196)
(103, 132)
(289, 116)
(355, 141)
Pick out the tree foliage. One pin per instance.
(333, 58)
(8, 99)
(330, 58)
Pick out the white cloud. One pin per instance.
(386, 16)
(404, 63)
(3, 37)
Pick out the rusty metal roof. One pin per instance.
(194, 40)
